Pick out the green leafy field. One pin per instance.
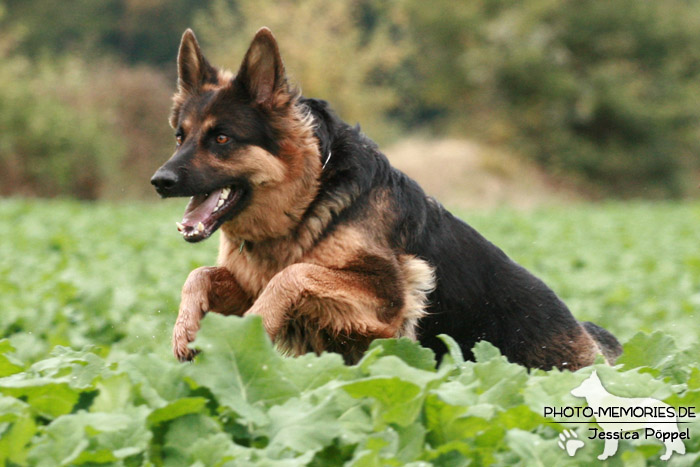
(89, 293)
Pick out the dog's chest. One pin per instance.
(251, 273)
(253, 276)
(254, 266)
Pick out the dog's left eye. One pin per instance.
(222, 139)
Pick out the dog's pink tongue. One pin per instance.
(199, 208)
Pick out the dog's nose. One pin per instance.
(164, 180)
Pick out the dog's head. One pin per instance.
(242, 144)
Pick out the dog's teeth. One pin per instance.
(200, 227)
(220, 203)
(225, 192)
(180, 227)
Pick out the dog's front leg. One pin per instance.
(206, 289)
(342, 301)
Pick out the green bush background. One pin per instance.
(602, 94)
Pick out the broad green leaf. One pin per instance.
(457, 453)
(369, 357)
(61, 444)
(457, 393)
(159, 380)
(520, 417)
(407, 350)
(301, 426)
(78, 368)
(177, 408)
(309, 371)
(394, 366)
(536, 452)
(11, 408)
(652, 350)
(484, 351)
(240, 367)
(691, 397)
(378, 449)
(396, 400)
(197, 439)
(185, 430)
(8, 364)
(355, 419)
(446, 422)
(46, 397)
(115, 392)
(92, 437)
(453, 350)
(631, 383)
(17, 432)
(218, 450)
(552, 389)
(411, 442)
(500, 382)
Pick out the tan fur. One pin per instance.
(420, 281)
(223, 78)
(206, 289)
(193, 304)
(205, 126)
(278, 206)
(585, 351)
(576, 349)
(258, 165)
(306, 289)
(254, 269)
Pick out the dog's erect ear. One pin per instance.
(192, 68)
(262, 72)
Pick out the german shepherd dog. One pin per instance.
(327, 242)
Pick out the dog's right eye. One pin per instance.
(222, 139)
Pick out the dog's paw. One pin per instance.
(183, 335)
(569, 442)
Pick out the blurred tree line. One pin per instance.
(604, 93)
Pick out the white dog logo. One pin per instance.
(655, 419)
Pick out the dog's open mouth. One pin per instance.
(206, 212)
